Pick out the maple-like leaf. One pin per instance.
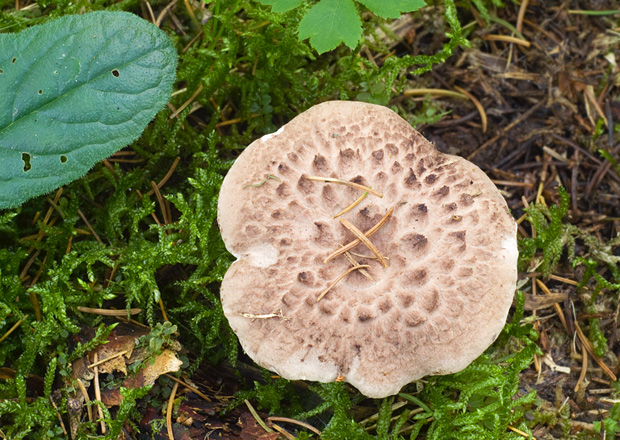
(392, 8)
(331, 22)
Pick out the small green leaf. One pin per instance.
(281, 5)
(392, 8)
(614, 412)
(72, 92)
(329, 23)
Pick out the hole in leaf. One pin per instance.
(26, 159)
(40, 92)
(14, 59)
(63, 159)
(116, 73)
(1, 71)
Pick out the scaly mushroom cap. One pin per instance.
(450, 247)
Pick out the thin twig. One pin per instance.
(90, 228)
(67, 250)
(584, 368)
(436, 92)
(522, 433)
(109, 358)
(56, 207)
(296, 422)
(108, 312)
(98, 394)
(22, 275)
(152, 213)
(110, 277)
(86, 399)
(478, 105)
(62, 425)
(557, 307)
(151, 13)
(162, 14)
(521, 15)
(190, 11)
(189, 387)
(511, 183)
(186, 103)
(589, 93)
(257, 417)
(160, 200)
(283, 431)
(507, 39)
(564, 280)
(193, 40)
(166, 177)
(110, 168)
(163, 309)
(169, 409)
(12, 329)
(587, 345)
(506, 129)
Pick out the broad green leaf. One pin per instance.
(392, 8)
(72, 92)
(330, 22)
(281, 5)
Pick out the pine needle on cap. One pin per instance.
(347, 247)
(354, 263)
(360, 235)
(337, 280)
(352, 205)
(345, 183)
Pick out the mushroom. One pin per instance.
(309, 298)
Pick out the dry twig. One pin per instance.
(169, 409)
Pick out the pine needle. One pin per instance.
(347, 247)
(360, 235)
(345, 183)
(340, 277)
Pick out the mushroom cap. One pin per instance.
(451, 245)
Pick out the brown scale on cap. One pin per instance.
(449, 244)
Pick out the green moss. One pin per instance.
(253, 74)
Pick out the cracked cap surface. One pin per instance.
(450, 244)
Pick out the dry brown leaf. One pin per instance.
(166, 362)
(122, 338)
(120, 352)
